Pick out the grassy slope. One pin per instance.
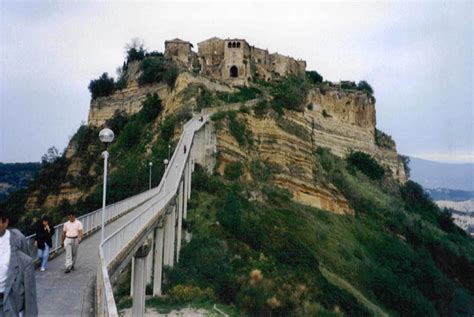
(397, 256)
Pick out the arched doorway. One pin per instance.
(234, 72)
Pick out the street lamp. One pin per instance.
(150, 164)
(106, 136)
(169, 152)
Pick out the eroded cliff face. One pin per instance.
(345, 122)
(337, 120)
(294, 157)
(130, 99)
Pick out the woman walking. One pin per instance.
(43, 241)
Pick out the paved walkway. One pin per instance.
(61, 294)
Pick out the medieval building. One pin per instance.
(233, 60)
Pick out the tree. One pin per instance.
(50, 156)
(363, 85)
(135, 50)
(102, 87)
(314, 77)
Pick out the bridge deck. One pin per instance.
(61, 294)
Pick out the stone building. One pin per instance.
(234, 60)
(181, 52)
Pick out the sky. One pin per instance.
(417, 56)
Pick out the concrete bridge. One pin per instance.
(145, 229)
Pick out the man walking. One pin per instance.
(17, 273)
(72, 236)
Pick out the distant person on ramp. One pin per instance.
(17, 273)
(43, 241)
(72, 236)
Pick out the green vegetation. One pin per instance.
(399, 254)
(366, 164)
(384, 140)
(314, 77)
(102, 87)
(233, 171)
(293, 128)
(261, 108)
(364, 86)
(17, 176)
(289, 94)
(244, 94)
(158, 69)
(238, 129)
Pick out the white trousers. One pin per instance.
(71, 247)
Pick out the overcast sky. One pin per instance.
(418, 57)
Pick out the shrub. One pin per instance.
(244, 94)
(406, 164)
(117, 122)
(205, 99)
(418, 201)
(187, 293)
(293, 128)
(366, 164)
(233, 171)
(314, 77)
(364, 86)
(384, 140)
(290, 94)
(151, 107)
(157, 69)
(102, 87)
(135, 50)
(167, 129)
(238, 129)
(261, 108)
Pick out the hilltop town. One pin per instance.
(233, 60)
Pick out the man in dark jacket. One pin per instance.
(17, 274)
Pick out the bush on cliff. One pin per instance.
(366, 164)
(156, 69)
(102, 87)
(289, 94)
(314, 77)
(364, 86)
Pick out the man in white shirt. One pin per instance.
(17, 273)
(72, 236)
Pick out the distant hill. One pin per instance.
(450, 194)
(431, 174)
(14, 176)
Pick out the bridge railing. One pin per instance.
(113, 247)
(93, 220)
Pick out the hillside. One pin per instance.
(442, 175)
(15, 176)
(301, 208)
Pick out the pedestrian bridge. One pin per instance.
(145, 229)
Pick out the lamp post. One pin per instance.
(169, 152)
(150, 164)
(106, 136)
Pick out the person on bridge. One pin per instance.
(17, 273)
(72, 236)
(43, 241)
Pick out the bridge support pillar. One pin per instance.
(169, 236)
(149, 260)
(139, 280)
(173, 236)
(158, 267)
(181, 199)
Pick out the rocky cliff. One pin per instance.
(340, 120)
